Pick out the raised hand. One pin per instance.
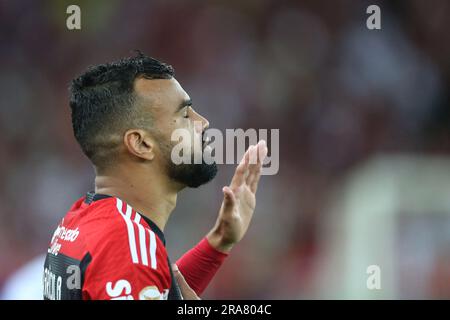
(239, 200)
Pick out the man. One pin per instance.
(111, 245)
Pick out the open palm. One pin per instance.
(239, 200)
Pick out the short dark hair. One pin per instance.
(103, 103)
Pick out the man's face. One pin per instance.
(172, 109)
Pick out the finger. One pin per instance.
(239, 176)
(253, 155)
(256, 153)
(241, 171)
(254, 179)
(186, 290)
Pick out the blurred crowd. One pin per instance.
(339, 93)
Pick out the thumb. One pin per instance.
(186, 291)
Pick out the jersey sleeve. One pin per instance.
(199, 265)
(129, 263)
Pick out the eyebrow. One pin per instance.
(185, 103)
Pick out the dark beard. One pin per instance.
(192, 175)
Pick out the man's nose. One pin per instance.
(203, 120)
(205, 124)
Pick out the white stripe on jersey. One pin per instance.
(129, 211)
(127, 216)
(130, 228)
(152, 249)
(143, 244)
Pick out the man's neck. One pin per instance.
(149, 194)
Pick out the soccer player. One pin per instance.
(110, 245)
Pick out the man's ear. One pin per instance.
(139, 143)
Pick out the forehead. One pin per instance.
(166, 93)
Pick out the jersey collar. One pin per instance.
(92, 196)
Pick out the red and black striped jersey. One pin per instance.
(104, 249)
